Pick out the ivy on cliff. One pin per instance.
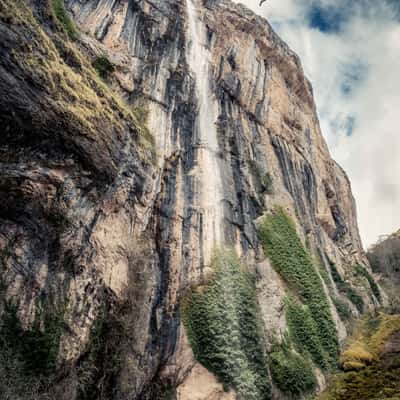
(345, 288)
(290, 372)
(221, 319)
(360, 270)
(310, 324)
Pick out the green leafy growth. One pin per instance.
(103, 66)
(64, 19)
(36, 348)
(345, 288)
(290, 372)
(264, 181)
(293, 262)
(223, 327)
(360, 270)
(267, 183)
(304, 333)
(343, 309)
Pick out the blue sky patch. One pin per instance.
(328, 18)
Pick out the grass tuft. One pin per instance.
(103, 66)
(64, 19)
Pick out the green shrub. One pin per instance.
(342, 308)
(290, 372)
(64, 19)
(346, 289)
(222, 323)
(103, 66)
(360, 270)
(292, 261)
(36, 348)
(267, 183)
(263, 181)
(303, 331)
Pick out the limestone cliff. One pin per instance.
(118, 189)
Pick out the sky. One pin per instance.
(350, 50)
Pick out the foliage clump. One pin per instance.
(222, 323)
(343, 309)
(373, 285)
(311, 326)
(263, 181)
(28, 356)
(304, 333)
(103, 66)
(64, 19)
(355, 357)
(345, 288)
(290, 372)
(36, 347)
(371, 373)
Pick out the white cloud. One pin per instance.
(356, 77)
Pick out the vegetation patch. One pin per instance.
(311, 326)
(376, 382)
(37, 347)
(101, 362)
(103, 66)
(221, 319)
(263, 181)
(355, 357)
(64, 19)
(290, 372)
(343, 309)
(360, 270)
(87, 104)
(345, 288)
(371, 374)
(303, 331)
(28, 357)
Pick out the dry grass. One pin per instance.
(76, 89)
(369, 375)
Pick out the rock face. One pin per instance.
(99, 224)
